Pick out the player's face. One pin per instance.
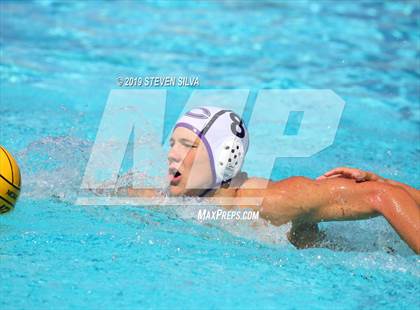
(189, 170)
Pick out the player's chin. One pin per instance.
(176, 190)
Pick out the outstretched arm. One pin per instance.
(363, 176)
(306, 202)
(360, 200)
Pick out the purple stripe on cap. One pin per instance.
(206, 143)
(206, 113)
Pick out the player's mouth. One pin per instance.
(174, 176)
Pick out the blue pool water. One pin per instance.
(59, 61)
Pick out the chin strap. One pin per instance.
(226, 184)
(205, 192)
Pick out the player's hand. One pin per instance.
(351, 173)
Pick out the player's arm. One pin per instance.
(141, 192)
(304, 202)
(343, 199)
(363, 176)
(126, 191)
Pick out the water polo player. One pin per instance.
(207, 149)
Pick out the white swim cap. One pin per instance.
(224, 135)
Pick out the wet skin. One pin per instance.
(302, 201)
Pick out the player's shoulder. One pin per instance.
(261, 183)
(254, 182)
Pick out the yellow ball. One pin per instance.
(9, 181)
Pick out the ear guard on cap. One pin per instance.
(230, 157)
